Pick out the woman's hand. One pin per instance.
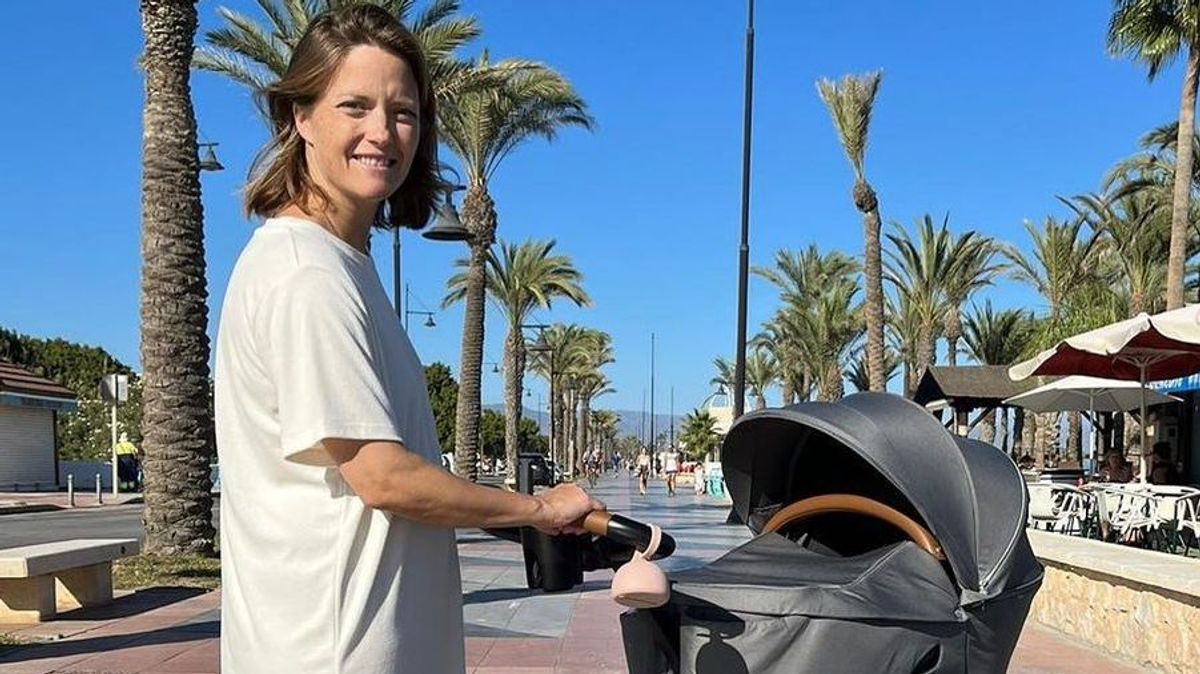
(562, 507)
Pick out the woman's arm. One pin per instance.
(387, 476)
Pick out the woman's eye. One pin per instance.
(353, 106)
(406, 114)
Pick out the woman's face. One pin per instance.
(363, 132)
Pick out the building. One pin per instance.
(967, 388)
(1178, 424)
(29, 407)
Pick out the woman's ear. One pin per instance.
(302, 118)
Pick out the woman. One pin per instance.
(671, 468)
(643, 470)
(1115, 468)
(337, 520)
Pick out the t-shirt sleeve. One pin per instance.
(323, 358)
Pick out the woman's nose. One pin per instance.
(379, 129)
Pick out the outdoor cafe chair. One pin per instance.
(1129, 515)
(1059, 508)
(1187, 521)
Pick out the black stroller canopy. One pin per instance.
(968, 494)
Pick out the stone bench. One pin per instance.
(39, 581)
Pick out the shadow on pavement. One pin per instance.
(511, 593)
(141, 601)
(168, 635)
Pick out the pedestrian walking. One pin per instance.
(128, 464)
(671, 469)
(338, 549)
(643, 470)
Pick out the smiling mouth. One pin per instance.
(373, 161)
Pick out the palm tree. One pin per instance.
(1137, 237)
(604, 427)
(588, 383)
(483, 126)
(920, 272)
(904, 332)
(971, 268)
(1155, 32)
(564, 356)
(588, 387)
(699, 435)
(850, 103)
(802, 277)
(998, 338)
(174, 312)
(761, 371)
(521, 278)
(1061, 263)
(831, 327)
(256, 55)
(857, 372)
(724, 376)
(1064, 269)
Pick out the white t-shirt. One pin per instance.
(313, 580)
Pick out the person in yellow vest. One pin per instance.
(127, 464)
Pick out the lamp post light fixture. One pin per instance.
(446, 227)
(429, 322)
(208, 158)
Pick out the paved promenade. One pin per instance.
(509, 628)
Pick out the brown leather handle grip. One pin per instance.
(859, 505)
(596, 522)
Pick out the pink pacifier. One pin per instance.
(639, 583)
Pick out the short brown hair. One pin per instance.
(279, 176)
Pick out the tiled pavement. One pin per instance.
(508, 627)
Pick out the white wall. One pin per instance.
(26, 447)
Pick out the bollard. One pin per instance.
(71, 490)
(99, 492)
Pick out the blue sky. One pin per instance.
(987, 111)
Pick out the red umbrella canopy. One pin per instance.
(1166, 345)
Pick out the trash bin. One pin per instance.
(552, 563)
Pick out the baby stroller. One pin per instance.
(884, 545)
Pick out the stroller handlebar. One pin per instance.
(626, 531)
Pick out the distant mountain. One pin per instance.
(630, 421)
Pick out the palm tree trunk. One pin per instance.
(569, 433)
(953, 331)
(1182, 193)
(867, 203)
(926, 353)
(584, 423)
(479, 215)
(174, 313)
(514, 367)
(1002, 429)
(787, 391)
(1020, 445)
(560, 428)
(1075, 436)
(987, 427)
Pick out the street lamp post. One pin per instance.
(540, 346)
(739, 386)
